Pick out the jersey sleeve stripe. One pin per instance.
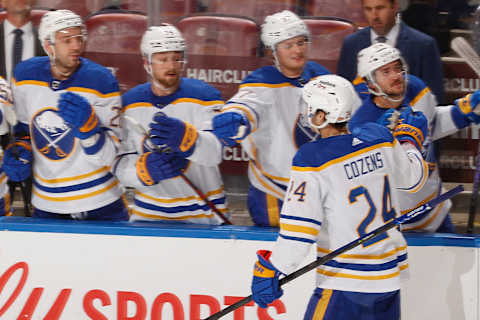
(367, 267)
(180, 218)
(76, 187)
(284, 216)
(198, 101)
(137, 105)
(419, 96)
(95, 92)
(173, 200)
(296, 238)
(73, 178)
(366, 256)
(178, 209)
(267, 85)
(360, 277)
(76, 197)
(299, 229)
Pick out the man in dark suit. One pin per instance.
(18, 36)
(419, 50)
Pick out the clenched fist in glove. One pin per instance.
(77, 112)
(152, 167)
(230, 126)
(17, 161)
(265, 285)
(180, 136)
(467, 110)
(412, 127)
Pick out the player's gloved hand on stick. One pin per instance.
(17, 161)
(230, 126)
(152, 167)
(412, 127)
(265, 285)
(77, 112)
(469, 106)
(180, 136)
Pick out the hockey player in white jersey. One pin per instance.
(67, 105)
(386, 86)
(342, 187)
(178, 113)
(265, 114)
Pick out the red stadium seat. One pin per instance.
(220, 35)
(327, 38)
(258, 9)
(80, 7)
(346, 9)
(114, 41)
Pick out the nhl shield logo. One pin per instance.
(51, 135)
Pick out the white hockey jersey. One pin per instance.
(441, 123)
(173, 199)
(340, 189)
(273, 104)
(66, 180)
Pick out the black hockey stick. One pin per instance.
(387, 226)
(465, 51)
(141, 130)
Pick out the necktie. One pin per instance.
(381, 39)
(17, 48)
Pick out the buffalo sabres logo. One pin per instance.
(51, 136)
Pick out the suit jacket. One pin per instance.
(418, 49)
(38, 50)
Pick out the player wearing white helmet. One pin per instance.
(335, 185)
(266, 117)
(386, 88)
(177, 113)
(68, 105)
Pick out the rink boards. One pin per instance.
(78, 270)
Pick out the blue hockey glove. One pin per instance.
(230, 126)
(180, 136)
(468, 106)
(77, 112)
(265, 285)
(152, 167)
(17, 161)
(371, 131)
(389, 118)
(412, 127)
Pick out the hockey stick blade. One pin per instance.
(355, 243)
(141, 130)
(464, 50)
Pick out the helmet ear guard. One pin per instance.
(331, 94)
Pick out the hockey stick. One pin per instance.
(465, 51)
(141, 130)
(387, 226)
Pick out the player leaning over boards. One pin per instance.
(265, 114)
(67, 104)
(382, 69)
(331, 202)
(178, 112)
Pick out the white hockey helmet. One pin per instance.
(331, 94)
(376, 56)
(163, 38)
(282, 26)
(57, 20)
